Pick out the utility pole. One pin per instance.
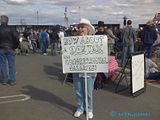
(22, 21)
(124, 21)
(37, 18)
(79, 8)
(65, 16)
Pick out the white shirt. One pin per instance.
(157, 41)
(150, 67)
(61, 35)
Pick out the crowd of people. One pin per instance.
(41, 40)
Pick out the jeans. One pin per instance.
(44, 46)
(34, 45)
(79, 84)
(54, 48)
(154, 75)
(7, 56)
(148, 48)
(126, 53)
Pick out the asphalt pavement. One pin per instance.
(41, 95)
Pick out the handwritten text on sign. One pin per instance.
(85, 54)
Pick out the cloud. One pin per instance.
(74, 11)
(50, 2)
(96, 8)
(52, 11)
(15, 2)
(117, 13)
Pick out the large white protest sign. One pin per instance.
(85, 54)
(137, 72)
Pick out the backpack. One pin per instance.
(100, 80)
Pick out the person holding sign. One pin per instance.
(85, 28)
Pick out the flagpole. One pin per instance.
(79, 13)
(65, 16)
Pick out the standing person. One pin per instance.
(44, 40)
(148, 37)
(128, 39)
(101, 28)
(8, 43)
(61, 35)
(111, 39)
(54, 41)
(101, 77)
(157, 42)
(85, 28)
(33, 38)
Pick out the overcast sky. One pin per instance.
(51, 12)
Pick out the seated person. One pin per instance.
(24, 46)
(113, 67)
(152, 67)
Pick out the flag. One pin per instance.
(156, 17)
(65, 9)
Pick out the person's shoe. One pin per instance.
(12, 83)
(90, 115)
(44, 53)
(78, 114)
(3, 83)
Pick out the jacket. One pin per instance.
(128, 36)
(148, 35)
(8, 38)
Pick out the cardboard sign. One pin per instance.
(137, 75)
(85, 54)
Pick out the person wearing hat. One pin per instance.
(85, 28)
(148, 37)
(101, 31)
(101, 28)
(8, 43)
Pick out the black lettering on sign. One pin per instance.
(86, 49)
(84, 61)
(71, 40)
(83, 67)
(91, 39)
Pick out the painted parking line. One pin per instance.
(154, 85)
(24, 98)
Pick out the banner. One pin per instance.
(85, 54)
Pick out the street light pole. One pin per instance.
(79, 13)
(124, 21)
(65, 17)
(37, 18)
